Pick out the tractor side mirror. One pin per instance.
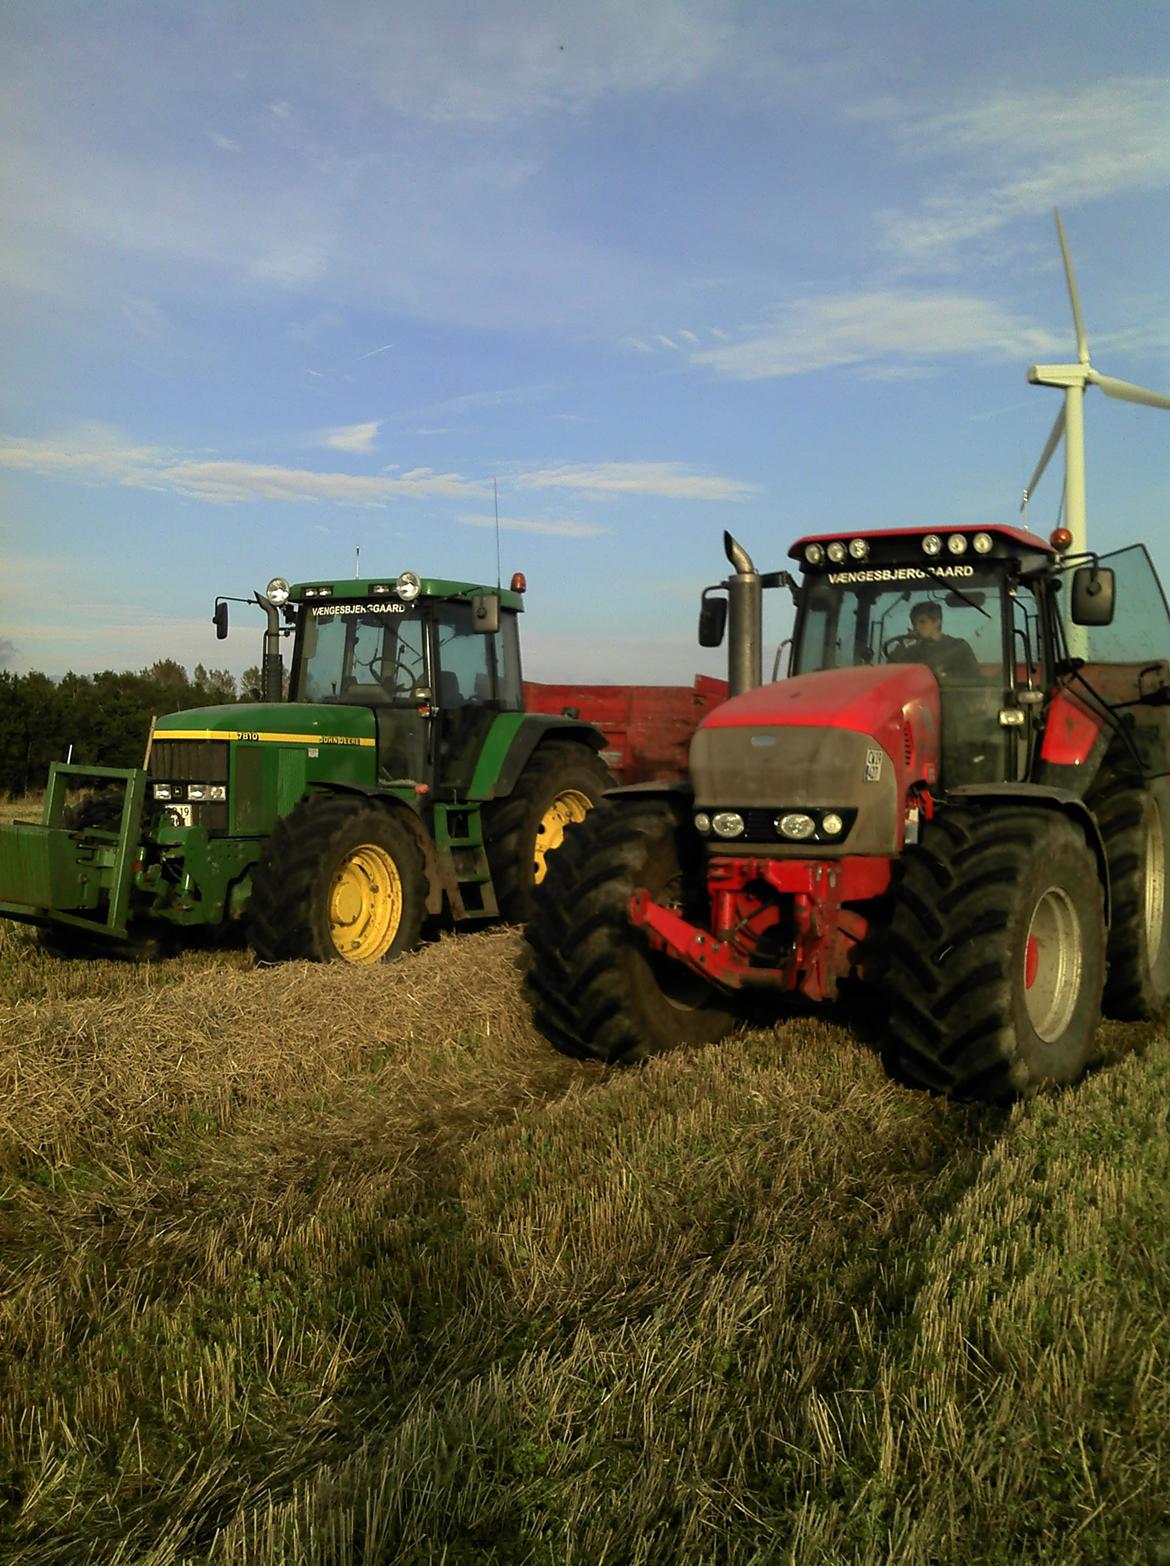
(220, 619)
(1092, 595)
(485, 613)
(712, 619)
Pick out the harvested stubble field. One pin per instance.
(322, 1265)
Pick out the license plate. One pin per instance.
(178, 815)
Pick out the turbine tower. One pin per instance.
(1072, 379)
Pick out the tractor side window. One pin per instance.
(478, 670)
(510, 687)
(829, 634)
(322, 654)
(1027, 640)
(1140, 632)
(465, 672)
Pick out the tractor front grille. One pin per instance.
(189, 767)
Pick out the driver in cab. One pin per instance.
(949, 657)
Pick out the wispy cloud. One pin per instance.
(523, 525)
(354, 437)
(667, 480)
(96, 454)
(98, 457)
(239, 481)
(887, 332)
(1019, 153)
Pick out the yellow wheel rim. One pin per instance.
(365, 904)
(570, 805)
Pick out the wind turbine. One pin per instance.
(1070, 421)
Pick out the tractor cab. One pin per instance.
(434, 661)
(975, 609)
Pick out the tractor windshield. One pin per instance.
(957, 632)
(360, 655)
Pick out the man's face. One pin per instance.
(927, 627)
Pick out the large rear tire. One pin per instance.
(100, 808)
(557, 789)
(1135, 828)
(996, 955)
(599, 989)
(340, 879)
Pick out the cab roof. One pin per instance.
(376, 587)
(1007, 539)
(901, 545)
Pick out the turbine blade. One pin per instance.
(1128, 392)
(1070, 278)
(1053, 441)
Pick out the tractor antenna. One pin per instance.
(496, 500)
(357, 560)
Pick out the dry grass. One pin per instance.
(317, 1265)
(26, 809)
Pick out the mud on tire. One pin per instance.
(560, 785)
(996, 955)
(1135, 827)
(598, 988)
(339, 879)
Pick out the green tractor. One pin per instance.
(400, 784)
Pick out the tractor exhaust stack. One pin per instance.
(745, 613)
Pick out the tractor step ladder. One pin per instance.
(459, 840)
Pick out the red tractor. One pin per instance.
(957, 798)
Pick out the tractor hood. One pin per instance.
(289, 723)
(850, 741)
(864, 700)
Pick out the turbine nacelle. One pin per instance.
(1057, 374)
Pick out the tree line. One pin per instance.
(97, 720)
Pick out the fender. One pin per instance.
(1063, 799)
(509, 745)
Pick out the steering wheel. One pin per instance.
(896, 647)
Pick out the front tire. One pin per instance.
(996, 955)
(599, 989)
(557, 789)
(340, 879)
(1135, 828)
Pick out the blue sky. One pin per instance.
(288, 280)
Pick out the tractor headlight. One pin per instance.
(408, 586)
(982, 543)
(277, 591)
(813, 554)
(836, 552)
(831, 824)
(957, 544)
(161, 791)
(859, 548)
(702, 822)
(211, 791)
(796, 824)
(727, 823)
(932, 544)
